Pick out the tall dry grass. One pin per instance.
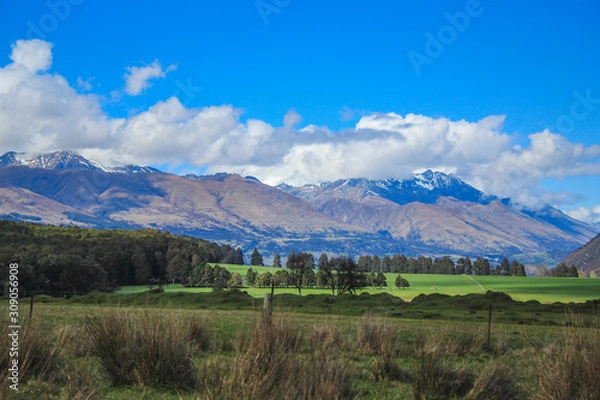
(40, 354)
(571, 368)
(143, 350)
(434, 377)
(496, 382)
(273, 362)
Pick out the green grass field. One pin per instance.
(544, 290)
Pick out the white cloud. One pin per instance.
(34, 55)
(138, 78)
(590, 215)
(291, 119)
(41, 112)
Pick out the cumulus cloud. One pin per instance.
(138, 78)
(34, 55)
(41, 112)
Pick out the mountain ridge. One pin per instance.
(431, 214)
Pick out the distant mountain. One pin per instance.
(430, 214)
(587, 258)
(435, 213)
(66, 160)
(427, 188)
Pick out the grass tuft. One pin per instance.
(496, 382)
(434, 377)
(148, 350)
(571, 369)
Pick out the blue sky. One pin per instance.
(342, 74)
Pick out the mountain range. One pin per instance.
(431, 214)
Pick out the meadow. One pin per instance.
(542, 289)
(415, 343)
(218, 345)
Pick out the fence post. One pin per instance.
(268, 303)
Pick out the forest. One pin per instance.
(56, 260)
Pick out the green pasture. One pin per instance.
(542, 289)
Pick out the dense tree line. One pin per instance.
(401, 264)
(72, 259)
(562, 270)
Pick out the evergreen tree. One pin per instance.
(386, 264)
(468, 266)
(238, 257)
(504, 268)
(460, 266)
(375, 264)
(277, 261)
(364, 263)
(573, 273)
(256, 258)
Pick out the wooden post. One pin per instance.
(268, 307)
(268, 304)
(489, 329)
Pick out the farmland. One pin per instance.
(434, 339)
(365, 346)
(542, 289)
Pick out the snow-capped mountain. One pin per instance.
(441, 213)
(65, 160)
(431, 214)
(426, 187)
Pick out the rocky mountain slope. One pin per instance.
(587, 258)
(433, 214)
(440, 213)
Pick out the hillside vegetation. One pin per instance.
(72, 259)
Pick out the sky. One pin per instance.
(504, 94)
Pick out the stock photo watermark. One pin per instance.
(266, 8)
(14, 327)
(580, 109)
(436, 44)
(58, 11)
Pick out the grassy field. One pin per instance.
(544, 290)
(227, 353)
